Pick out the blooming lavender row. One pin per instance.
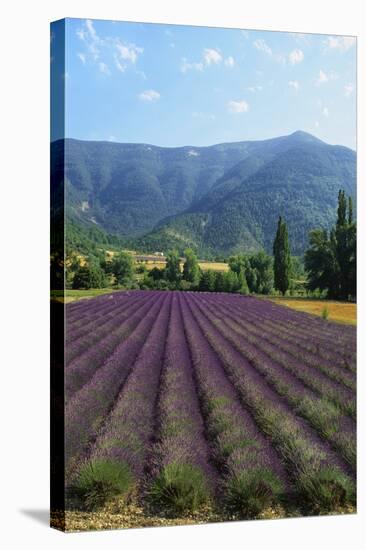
(180, 429)
(91, 321)
(96, 306)
(129, 428)
(98, 331)
(77, 311)
(87, 409)
(319, 350)
(323, 416)
(335, 382)
(240, 448)
(298, 320)
(309, 460)
(83, 367)
(333, 334)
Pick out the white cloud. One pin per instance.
(193, 153)
(316, 124)
(149, 96)
(229, 61)
(89, 36)
(294, 84)
(112, 138)
(296, 56)
(262, 46)
(211, 56)
(128, 52)
(256, 88)
(89, 25)
(348, 89)
(96, 48)
(82, 57)
(341, 43)
(80, 33)
(238, 106)
(325, 111)
(185, 66)
(322, 78)
(325, 77)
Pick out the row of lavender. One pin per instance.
(209, 397)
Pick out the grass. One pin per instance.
(71, 295)
(341, 312)
(179, 489)
(100, 480)
(325, 313)
(250, 493)
(327, 490)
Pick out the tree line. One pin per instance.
(330, 266)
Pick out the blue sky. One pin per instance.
(179, 85)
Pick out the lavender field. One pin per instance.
(181, 401)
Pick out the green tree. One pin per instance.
(242, 283)
(89, 276)
(208, 280)
(261, 271)
(251, 278)
(282, 258)
(331, 261)
(220, 282)
(156, 274)
(321, 263)
(122, 268)
(231, 283)
(191, 269)
(255, 272)
(172, 268)
(238, 263)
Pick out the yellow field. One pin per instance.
(338, 311)
(151, 265)
(215, 266)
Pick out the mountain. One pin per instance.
(219, 199)
(127, 188)
(298, 179)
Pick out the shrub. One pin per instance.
(99, 480)
(250, 492)
(325, 313)
(89, 276)
(326, 490)
(179, 489)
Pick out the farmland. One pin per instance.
(341, 312)
(214, 404)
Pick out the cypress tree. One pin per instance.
(282, 258)
(331, 262)
(191, 269)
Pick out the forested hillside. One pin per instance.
(216, 200)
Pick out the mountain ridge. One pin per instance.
(219, 198)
